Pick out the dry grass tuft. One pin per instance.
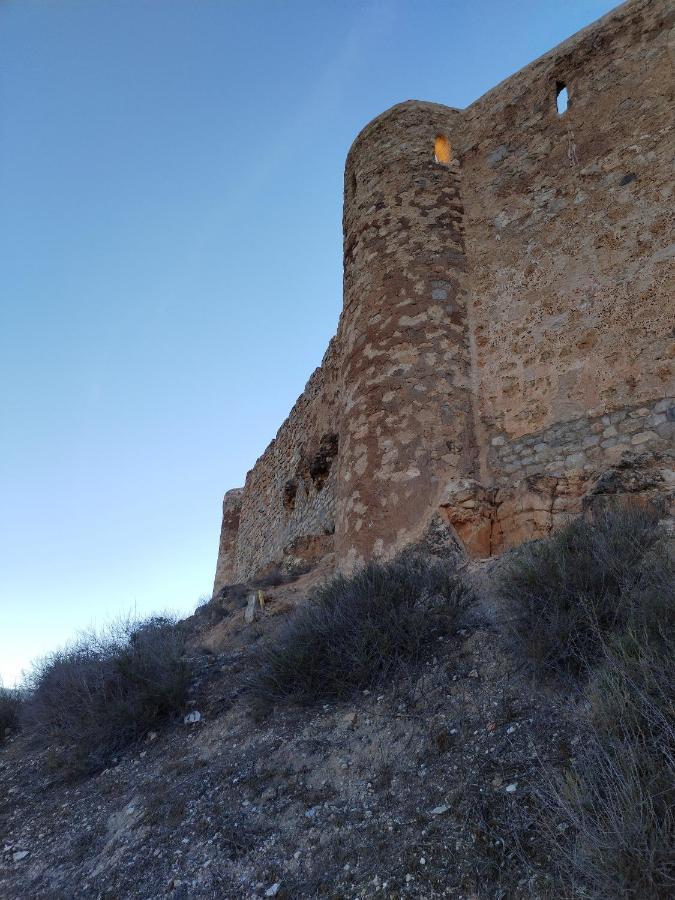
(596, 602)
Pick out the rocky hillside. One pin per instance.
(429, 784)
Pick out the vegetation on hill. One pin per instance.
(596, 603)
(568, 593)
(359, 630)
(10, 709)
(91, 700)
(420, 738)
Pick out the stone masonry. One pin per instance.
(504, 354)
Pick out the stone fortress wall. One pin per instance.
(504, 353)
(288, 503)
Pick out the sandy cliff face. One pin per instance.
(504, 354)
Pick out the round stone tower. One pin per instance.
(407, 425)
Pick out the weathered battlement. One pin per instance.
(504, 353)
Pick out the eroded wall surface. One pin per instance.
(569, 232)
(287, 506)
(504, 354)
(405, 375)
(226, 568)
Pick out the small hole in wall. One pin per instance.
(290, 491)
(561, 98)
(442, 149)
(322, 461)
(353, 183)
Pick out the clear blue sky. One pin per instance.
(170, 261)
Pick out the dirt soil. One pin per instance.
(423, 788)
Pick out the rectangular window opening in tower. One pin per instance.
(561, 97)
(442, 149)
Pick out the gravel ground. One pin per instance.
(423, 788)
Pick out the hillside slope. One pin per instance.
(439, 782)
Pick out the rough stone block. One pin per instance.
(644, 437)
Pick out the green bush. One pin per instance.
(96, 697)
(566, 594)
(357, 630)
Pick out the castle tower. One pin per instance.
(407, 415)
(536, 326)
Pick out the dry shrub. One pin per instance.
(357, 630)
(91, 700)
(11, 700)
(607, 592)
(621, 802)
(633, 688)
(612, 816)
(565, 594)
